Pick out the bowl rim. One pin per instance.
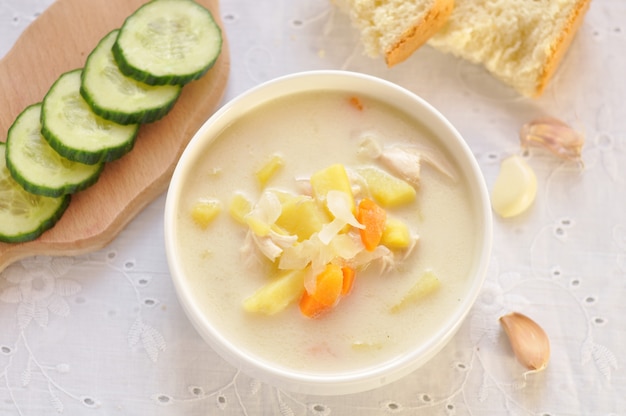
(350, 381)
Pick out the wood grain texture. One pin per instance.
(60, 40)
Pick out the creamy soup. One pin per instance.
(309, 132)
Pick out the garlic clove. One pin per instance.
(515, 188)
(555, 136)
(529, 341)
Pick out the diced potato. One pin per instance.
(388, 190)
(205, 211)
(284, 196)
(332, 178)
(396, 234)
(277, 294)
(239, 207)
(257, 226)
(268, 170)
(302, 216)
(427, 284)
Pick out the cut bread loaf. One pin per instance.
(396, 28)
(521, 42)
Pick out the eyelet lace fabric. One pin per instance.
(103, 333)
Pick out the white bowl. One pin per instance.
(329, 382)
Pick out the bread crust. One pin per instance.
(561, 45)
(420, 32)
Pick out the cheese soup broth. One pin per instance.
(312, 131)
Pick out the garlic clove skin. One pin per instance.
(555, 136)
(529, 341)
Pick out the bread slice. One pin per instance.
(396, 28)
(521, 42)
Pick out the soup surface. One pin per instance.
(309, 132)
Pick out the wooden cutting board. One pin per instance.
(60, 40)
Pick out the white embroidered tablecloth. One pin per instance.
(103, 333)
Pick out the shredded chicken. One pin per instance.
(406, 160)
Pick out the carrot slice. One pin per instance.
(328, 288)
(310, 307)
(329, 284)
(348, 280)
(373, 217)
(356, 103)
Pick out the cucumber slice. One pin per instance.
(37, 166)
(168, 42)
(25, 216)
(75, 131)
(116, 97)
